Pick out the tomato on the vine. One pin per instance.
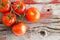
(19, 29)
(32, 15)
(18, 7)
(8, 19)
(5, 5)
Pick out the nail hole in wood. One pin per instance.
(48, 10)
(42, 33)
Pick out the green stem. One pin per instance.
(21, 17)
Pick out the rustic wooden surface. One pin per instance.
(47, 29)
(36, 31)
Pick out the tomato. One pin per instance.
(32, 15)
(8, 19)
(4, 5)
(19, 29)
(18, 7)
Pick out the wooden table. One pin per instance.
(47, 29)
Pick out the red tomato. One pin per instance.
(4, 5)
(18, 7)
(8, 19)
(19, 29)
(32, 15)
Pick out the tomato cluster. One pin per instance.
(9, 18)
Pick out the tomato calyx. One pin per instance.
(9, 16)
(18, 6)
(2, 4)
(7, 2)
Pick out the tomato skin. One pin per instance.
(32, 15)
(5, 5)
(19, 29)
(18, 7)
(8, 19)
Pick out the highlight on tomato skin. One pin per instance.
(18, 7)
(8, 19)
(32, 15)
(19, 29)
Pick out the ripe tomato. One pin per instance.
(4, 5)
(8, 19)
(18, 7)
(19, 29)
(32, 15)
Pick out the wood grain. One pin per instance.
(34, 30)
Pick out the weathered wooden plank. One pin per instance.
(34, 31)
(44, 29)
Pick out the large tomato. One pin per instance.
(19, 29)
(32, 15)
(8, 19)
(18, 7)
(4, 5)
